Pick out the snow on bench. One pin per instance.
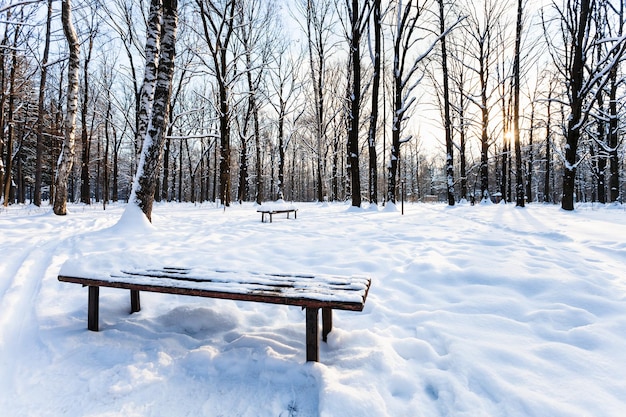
(310, 292)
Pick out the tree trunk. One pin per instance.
(152, 51)
(40, 109)
(85, 194)
(447, 123)
(614, 183)
(576, 74)
(355, 105)
(531, 155)
(165, 189)
(217, 35)
(105, 180)
(66, 159)
(148, 170)
(243, 191)
(281, 151)
(462, 148)
(3, 52)
(546, 185)
(613, 140)
(8, 180)
(484, 136)
(225, 184)
(373, 128)
(519, 173)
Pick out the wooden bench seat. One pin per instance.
(311, 292)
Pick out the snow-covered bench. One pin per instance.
(276, 208)
(311, 292)
(277, 211)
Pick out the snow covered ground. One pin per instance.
(487, 310)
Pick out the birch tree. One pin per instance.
(147, 174)
(145, 95)
(66, 159)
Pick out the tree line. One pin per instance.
(357, 100)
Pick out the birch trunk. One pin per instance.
(152, 49)
(66, 159)
(147, 174)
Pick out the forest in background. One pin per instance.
(315, 99)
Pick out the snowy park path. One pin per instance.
(34, 258)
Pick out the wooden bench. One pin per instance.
(325, 292)
(271, 212)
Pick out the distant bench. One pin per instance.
(272, 211)
(311, 292)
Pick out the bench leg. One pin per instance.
(312, 351)
(135, 304)
(270, 217)
(92, 308)
(327, 322)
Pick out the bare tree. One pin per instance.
(615, 28)
(447, 120)
(358, 16)
(459, 75)
(282, 87)
(256, 31)
(218, 26)
(376, 17)
(519, 188)
(40, 107)
(10, 114)
(406, 77)
(481, 45)
(582, 78)
(85, 180)
(319, 26)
